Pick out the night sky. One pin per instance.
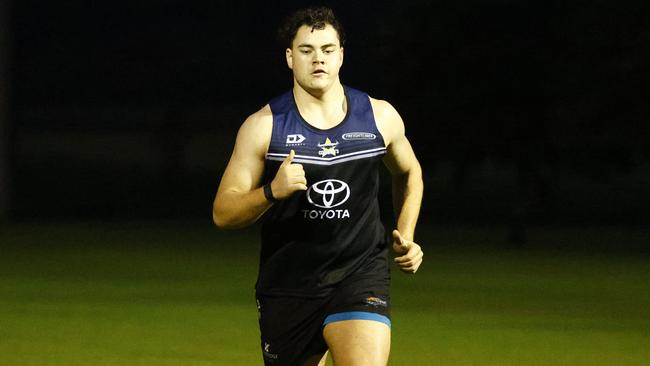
(520, 111)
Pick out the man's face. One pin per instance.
(315, 57)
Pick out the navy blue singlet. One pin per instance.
(318, 237)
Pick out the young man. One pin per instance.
(308, 162)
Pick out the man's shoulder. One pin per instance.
(380, 104)
(383, 109)
(282, 103)
(256, 129)
(265, 114)
(388, 121)
(260, 117)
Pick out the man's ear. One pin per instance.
(289, 55)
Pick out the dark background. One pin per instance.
(521, 112)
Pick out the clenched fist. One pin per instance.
(289, 178)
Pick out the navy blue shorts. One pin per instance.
(292, 327)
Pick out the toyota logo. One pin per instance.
(328, 193)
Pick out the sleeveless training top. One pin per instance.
(318, 237)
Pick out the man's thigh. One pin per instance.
(358, 342)
(317, 360)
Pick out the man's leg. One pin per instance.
(291, 330)
(358, 342)
(318, 360)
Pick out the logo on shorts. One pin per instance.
(266, 350)
(328, 194)
(375, 301)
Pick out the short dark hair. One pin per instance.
(314, 17)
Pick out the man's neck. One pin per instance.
(323, 110)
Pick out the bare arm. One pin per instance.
(407, 184)
(240, 199)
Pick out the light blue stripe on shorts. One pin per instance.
(356, 315)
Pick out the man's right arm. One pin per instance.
(240, 199)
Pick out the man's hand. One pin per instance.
(411, 252)
(289, 179)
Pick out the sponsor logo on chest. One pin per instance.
(356, 136)
(295, 140)
(326, 195)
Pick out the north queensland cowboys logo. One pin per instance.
(327, 194)
(328, 148)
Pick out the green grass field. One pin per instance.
(172, 293)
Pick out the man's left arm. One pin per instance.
(407, 185)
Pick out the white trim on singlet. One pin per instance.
(304, 159)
